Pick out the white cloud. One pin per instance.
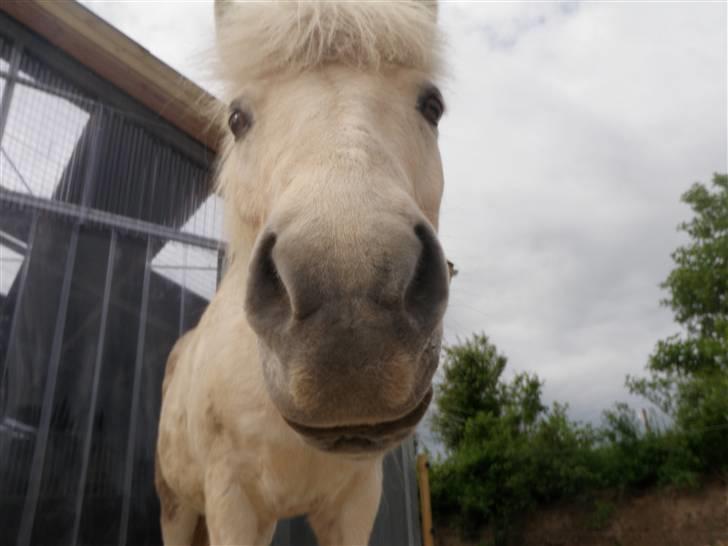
(572, 131)
(565, 155)
(10, 264)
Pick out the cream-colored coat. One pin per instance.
(331, 88)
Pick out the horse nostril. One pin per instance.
(266, 296)
(426, 295)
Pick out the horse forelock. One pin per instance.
(262, 38)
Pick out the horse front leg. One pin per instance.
(348, 519)
(231, 516)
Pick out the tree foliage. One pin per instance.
(507, 451)
(698, 287)
(472, 385)
(687, 374)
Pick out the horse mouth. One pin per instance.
(357, 439)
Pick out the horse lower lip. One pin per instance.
(364, 437)
(353, 444)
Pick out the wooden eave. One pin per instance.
(119, 60)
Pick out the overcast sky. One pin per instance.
(572, 130)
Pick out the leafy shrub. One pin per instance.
(513, 454)
(507, 452)
(702, 419)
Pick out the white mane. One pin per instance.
(261, 38)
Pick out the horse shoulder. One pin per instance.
(177, 468)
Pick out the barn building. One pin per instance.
(110, 249)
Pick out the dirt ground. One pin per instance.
(657, 518)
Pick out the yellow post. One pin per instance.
(423, 478)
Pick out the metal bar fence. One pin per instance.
(94, 388)
(39, 453)
(129, 466)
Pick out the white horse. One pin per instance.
(317, 353)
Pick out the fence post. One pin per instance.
(425, 506)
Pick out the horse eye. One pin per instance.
(239, 123)
(431, 106)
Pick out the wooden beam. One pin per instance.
(428, 534)
(121, 61)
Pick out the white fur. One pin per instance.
(332, 87)
(284, 35)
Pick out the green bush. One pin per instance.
(702, 419)
(513, 454)
(631, 457)
(507, 452)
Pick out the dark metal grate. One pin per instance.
(109, 250)
(57, 143)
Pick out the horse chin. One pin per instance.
(363, 439)
(356, 434)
